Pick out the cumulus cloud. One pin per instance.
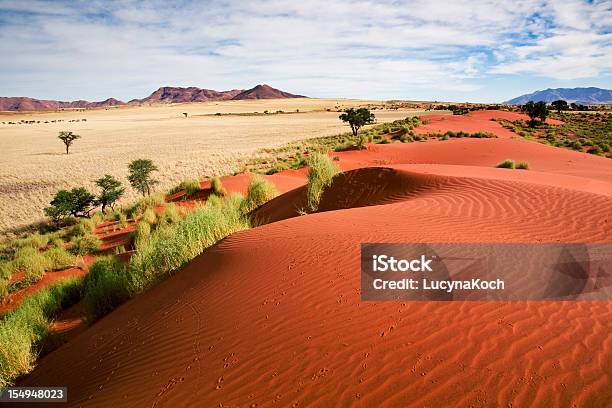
(379, 49)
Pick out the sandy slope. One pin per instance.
(272, 315)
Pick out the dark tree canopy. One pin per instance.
(77, 202)
(111, 191)
(140, 175)
(536, 110)
(68, 138)
(357, 118)
(560, 105)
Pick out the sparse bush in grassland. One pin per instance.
(217, 187)
(170, 248)
(506, 164)
(384, 140)
(105, 287)
(425, 121)
(31, 262)
(141, 234)
(445, 137)
(321, 172)
(59, 258)
(462, 133)
(85, 244)
(26, 328)
(450, 133)
(259, 192)
(149, 216)
(522, 165)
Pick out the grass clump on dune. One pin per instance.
(217, 187)
(142, 233)
(24, 330)
(170, 248)
(85, 244)
(31, 262)
(259, 192)
(522, 166)
(506, 164)
(59, 258)
(321, 172)
(105, 287)
(190, 186)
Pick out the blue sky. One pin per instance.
(460, 50)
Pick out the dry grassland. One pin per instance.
(34, 164)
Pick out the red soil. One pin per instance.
(476, 121)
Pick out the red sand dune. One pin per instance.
(476, 121)
(272, 315)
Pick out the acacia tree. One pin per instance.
(560, 105)
(140, 175)
(536, 110)
(77, 202)
(357, 118)
(68, 138)
(111, 191)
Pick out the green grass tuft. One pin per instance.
(506, 164)
(321, 172)
(24, 330)
(105, 287)
(84, 245)
(217, 187)
(522, 166)
(59, 258)
(259, 192)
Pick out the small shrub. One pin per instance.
(190, 187)
(59, 258)
(449, 133)
(522, 166)
(595, 150)
(321, 172)
(506, 164)
(85, 244)
(122, 221)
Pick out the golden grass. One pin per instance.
(34, 165)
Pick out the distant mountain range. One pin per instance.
(584, 96)
(166, 94)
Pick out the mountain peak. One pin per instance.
(587, 96)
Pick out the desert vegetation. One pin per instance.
(584, 132)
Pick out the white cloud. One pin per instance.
(411, 49)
